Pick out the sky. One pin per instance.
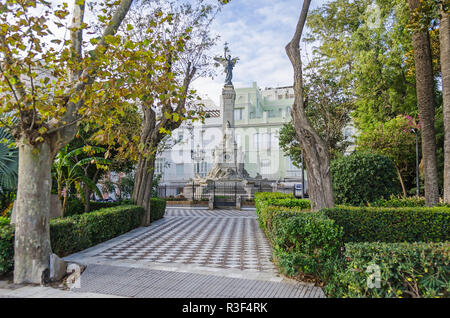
(257, 32)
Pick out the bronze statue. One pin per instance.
(228, 63)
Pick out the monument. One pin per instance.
(228, 168)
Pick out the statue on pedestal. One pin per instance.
(228, 63)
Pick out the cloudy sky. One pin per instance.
(257, 32)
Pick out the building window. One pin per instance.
(280, 96)
(237, 139)
(265, 167)
(159, 166)
(200, 168)
(238, 114)
(180, 170)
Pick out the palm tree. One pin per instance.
(68, 169)
(9, 160)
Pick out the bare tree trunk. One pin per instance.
(400, 178)
(316, 152)
(87, 198)
(444, 39)
(425, 103)
(32, 236)
(143, 192)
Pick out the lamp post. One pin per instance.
(303, 178)
(416, 132)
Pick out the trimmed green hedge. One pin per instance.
(363, 177)
(76, 233)
(309, 245)
(371, 224)
(157, 208)
(406, 270)
(306, 245)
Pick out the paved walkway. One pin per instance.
(190, 253)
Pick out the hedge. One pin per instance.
(371, 224)
(76, 233)
(306, 245)
(363, 177)
(157, 208)
(310, 245)
(406, 270)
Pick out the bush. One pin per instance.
(4, 221)
(407, 270)
(363, 177)
(6, 248)
(371, 224)
(157, 208)
(76, 233)
(399, 202)
(306, 245)
(264, 200)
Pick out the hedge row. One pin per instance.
(371, 224)
(76, 233)
(309, 245)
(157, 208)
(404, 270)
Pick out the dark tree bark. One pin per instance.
(425, 103)
(316, 153)
(444, 39)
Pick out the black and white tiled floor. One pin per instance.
(218, 238)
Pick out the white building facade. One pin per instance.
(259, 114)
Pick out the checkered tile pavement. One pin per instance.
(218, 238)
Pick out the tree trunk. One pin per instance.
(32, 233)
(142, 191)
(425, 103)
(400, 178)
(444, 39)
(87, 198)
(316, 152)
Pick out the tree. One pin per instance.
(177, 55)
(444, 39)
(70, 169)
(315, 150)
(46, 84)
(395, 140)
(328, 110)
(8, 161)
(425, 102)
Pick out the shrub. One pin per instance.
(407, 270)
(371, 224)
(363, 177)
(306, 244)
(399, 202)
(76, 233)
(157, 208)
(74, 206)
(6, 248)
(4, 221)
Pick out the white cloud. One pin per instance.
(257, 32)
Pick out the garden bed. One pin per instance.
(408, 249)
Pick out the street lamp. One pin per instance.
(416, 132)
(303, 177)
